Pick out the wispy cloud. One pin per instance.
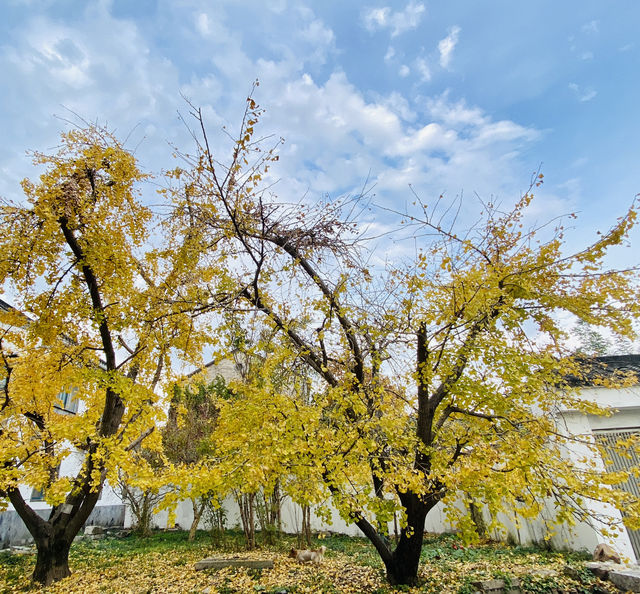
(377, 18)
(422, 66)
(202, 24)
(319, 38)
(447, 45)
(391, 52)
(591, 27)
(338, 134)
(398, 22)
(583, 94)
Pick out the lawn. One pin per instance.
(164, 563)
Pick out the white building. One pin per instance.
(624, 404)
(110, 511)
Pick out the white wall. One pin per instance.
(582, 537)
(625, 406)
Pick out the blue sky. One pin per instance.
(448, 97)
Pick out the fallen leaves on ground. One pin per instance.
(99, 568)
(161, 572)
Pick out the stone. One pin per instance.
(497, 586)
(626, 579)
(604, 552)
(544, 573)
(602, 570)
(571, 572)
(213, 563)
(19, 550)
(93, 530)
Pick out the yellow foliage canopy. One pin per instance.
(100, 318)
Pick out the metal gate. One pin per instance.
(616, 462)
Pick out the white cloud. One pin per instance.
(63, 69)
(455, 113)
(580, 162)
(319, 38)
(391, 52)
(336, 135)
(399, 105)
(404, 71)
(571, 188)
(399, 22)
(583, 94)
(429, 138)
(503, 131)
(377, 18)
(447, 45)
(422, 66)
(202, 24)
(277, 6)
(349, 139)
(317, 33)
(592, 27)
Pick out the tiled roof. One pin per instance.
(617, 368)
(5, 306)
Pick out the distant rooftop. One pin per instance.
(5, 306)
(607, 368)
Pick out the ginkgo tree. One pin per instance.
(437, 377)
(246, 434)
(98, 313)
(266, 434)
(187, 444)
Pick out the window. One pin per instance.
(67, 401)
(623, 460)
(37, 495)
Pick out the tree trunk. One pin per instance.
(52, 561)
(477, 518)
(403, 563)
(144, 521)
(252, 522)
(247, 516)
(305, 528)
(198, 508)
(277, 507)
(53, 537)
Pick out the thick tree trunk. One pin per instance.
(402, 568)
(144, 521)
(277, 507)
(403, 563)
(52, 561)
(477, 518)
(53, 537)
